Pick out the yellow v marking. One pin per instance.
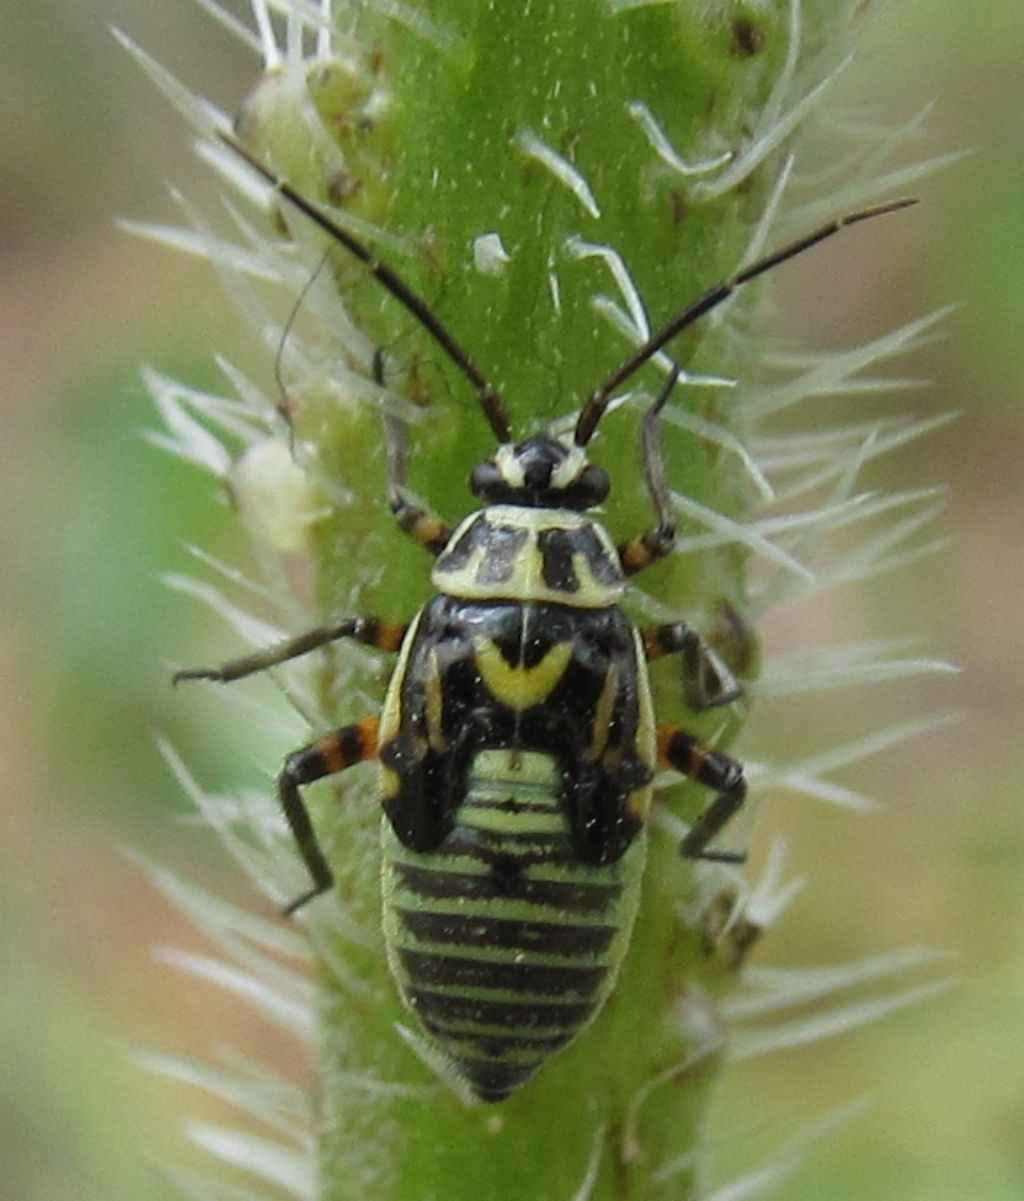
(521, 687)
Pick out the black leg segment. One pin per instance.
(343, 748)
(659, 540)
(422, 526)
(695, 759)
(707, 682)
(370, 631)
(419, 523)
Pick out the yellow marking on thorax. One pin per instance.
(391, 711)
(520, 687)
(646, 735)
(603, 712)
(525, 581)
(434, 705)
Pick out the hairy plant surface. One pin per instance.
(556, 182)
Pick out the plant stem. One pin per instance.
(509, 156)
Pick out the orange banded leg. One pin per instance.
(370, 631)
(659, 540)
(707, 681)
(695, 759)
(648, 548)
(325, 757)
(423, 527)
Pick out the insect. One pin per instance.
(518, 740)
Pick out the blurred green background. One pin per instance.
(91, 516)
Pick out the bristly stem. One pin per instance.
(519, 133)
(547, 189)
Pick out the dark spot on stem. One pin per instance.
(748, 38)
(342, 187)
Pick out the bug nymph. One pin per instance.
(518, 740)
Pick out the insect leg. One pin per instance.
(658, 541)
(695, 759)
(423, 526)
(707, 681)
(370, 631)
(336, 751)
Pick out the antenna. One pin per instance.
(487, 394)
(594, 409)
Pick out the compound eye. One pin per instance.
(485, 479)
(594, 485)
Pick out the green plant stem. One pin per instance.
(452, 155)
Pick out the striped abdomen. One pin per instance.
(503, 943)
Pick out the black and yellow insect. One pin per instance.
(518, 740)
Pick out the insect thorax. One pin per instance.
(512, 552)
